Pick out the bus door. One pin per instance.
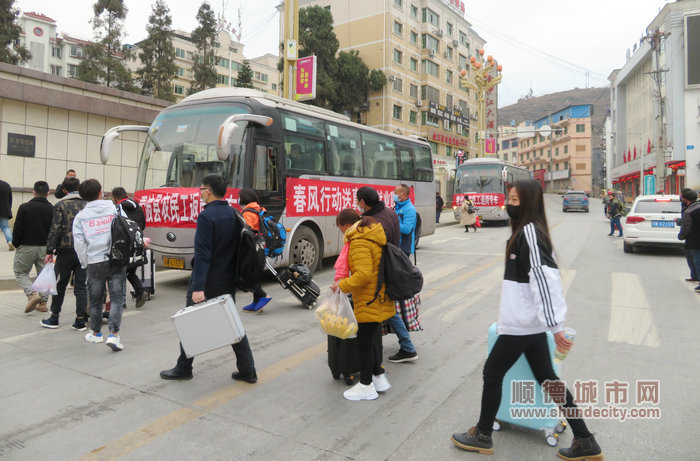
(266, 176)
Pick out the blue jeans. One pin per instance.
(397, 325)
(99, 274)
(696, 261)
(438, 211)
(5, 226)
(615, 222)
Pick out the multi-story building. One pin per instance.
(421, 45)
(655, 105)
(230, 59)
(51, 53)
(563, 158)
(508, 144)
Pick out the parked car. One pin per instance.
(575, 200)
(652, 222)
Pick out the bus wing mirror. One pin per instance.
(230, 132)
(114, 132)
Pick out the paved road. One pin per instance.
(62, 398)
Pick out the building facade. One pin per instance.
(655, 105)
(562, 159)
(421, 45)
(230, 59)
(508, 144)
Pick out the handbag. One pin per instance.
(408, 309)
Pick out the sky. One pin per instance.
(543, 45)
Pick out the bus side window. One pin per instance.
(344, 146)
(406, 159)
(424, 164)
(379, 156)
(265, 168)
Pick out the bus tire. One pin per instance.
(305, 249)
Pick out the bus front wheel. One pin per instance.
(305, 248)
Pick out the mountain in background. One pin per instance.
(534, 108)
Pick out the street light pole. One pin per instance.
(483, 82)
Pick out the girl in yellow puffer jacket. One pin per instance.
(366, 239)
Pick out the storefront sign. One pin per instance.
(306, 79)
(21, 144)
(446, 113)
(480, 199)
(448, 139)
(649, 184)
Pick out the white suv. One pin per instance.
(652, 222)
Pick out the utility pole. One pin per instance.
(655, 39)
(291, 43)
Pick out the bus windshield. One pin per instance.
(180, 148)
(479, 179)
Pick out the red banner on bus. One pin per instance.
(308, 197)
(175, 206)
(480, 199)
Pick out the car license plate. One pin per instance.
(175, 263)
(663, 224)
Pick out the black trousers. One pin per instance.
(134, 280)
(369, 343)
(244, 356)
(503, 356)
(68, 264)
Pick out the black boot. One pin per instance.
(474, 440)
(466, 228)
(582, 448)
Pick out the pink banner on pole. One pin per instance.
(306, 78)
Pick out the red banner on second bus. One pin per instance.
(480, 199)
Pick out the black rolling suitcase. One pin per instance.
(344, 358)
(297, 279)
(147, 274)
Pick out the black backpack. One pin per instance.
(274, 233)
(127, 243)
(250, 257)
(403, 279)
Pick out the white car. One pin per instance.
(651, 222)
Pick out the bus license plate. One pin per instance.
(663, 224)
(175, 263)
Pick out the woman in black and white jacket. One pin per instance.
(532, 302)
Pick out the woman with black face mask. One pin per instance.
(532, 302)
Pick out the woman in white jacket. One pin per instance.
(532, 302)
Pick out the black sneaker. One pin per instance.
(79, 325)
(404, 356)
(582, 448)
(51, 322)
(474, 440)
(176, 374)
(249, 378)
(141, 299)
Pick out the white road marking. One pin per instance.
(442, 271)
(567, 278)
(631, 320)
(486, 284)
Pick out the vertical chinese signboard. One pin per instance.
(306, 79)
(491, 110)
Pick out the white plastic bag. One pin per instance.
(45, 282)
(336, 316)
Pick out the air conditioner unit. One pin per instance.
(392, 78)
(419, 103)
(455, 42)
(440, 33)
(431, 53)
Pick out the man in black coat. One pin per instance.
(368, 200)
(6, 212)
(439, 203)
(215, 251)
(690, 229)
(30, 234)
(60, 193)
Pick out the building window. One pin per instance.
(76, 51)
(448, 29)
(566, 165)
(190, 56)
(429, 67)
(448, 151)
(580, 128)
(223, 62)
(396, 113)
(398, 4)
(429, 93)
(448, 76)
(274, 86)
(449, 100)
(430, 43)
(431, 17)
(180, 53)
(179, 89)
(180, 72)
(56, 52)
(412, 117)
(397, 85)
(190, 74)
(72, 70)
(448, 53)
(556, 151)
(56, 70)
(430, 120)
(398, 56)
(447, 125)
(398, 28)
(413, 64)
(414, 37)
(222, 79)
(556, 166)
(413, 91)
(463, 39)
(566, 149)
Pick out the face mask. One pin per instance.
(513, 211)
(396, 198)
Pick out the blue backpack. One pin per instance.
(274, 233)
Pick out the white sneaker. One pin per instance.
(93, 337)
(115, 343)
(381, 383)
(361, 392)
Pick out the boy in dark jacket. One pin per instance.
(59, 249)
(134, 212)
(29, 238)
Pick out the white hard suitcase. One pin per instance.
(209, 325)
